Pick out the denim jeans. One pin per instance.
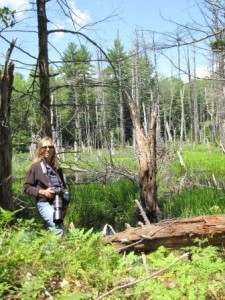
(46, 211)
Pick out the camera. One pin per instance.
(61, 200)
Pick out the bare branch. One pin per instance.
(160, 272)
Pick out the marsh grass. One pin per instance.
(97, 204)
(100, 158)
(201, 161)
(194, 202)
(205, 164)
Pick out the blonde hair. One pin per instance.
(39, 156)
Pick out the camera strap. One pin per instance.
(45, 171)
(43, 167)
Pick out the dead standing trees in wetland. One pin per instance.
(146, 152)
(171, 234)
(6, 85)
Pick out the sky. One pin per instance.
(131, 14)
(111, 19)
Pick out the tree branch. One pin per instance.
(160, 272)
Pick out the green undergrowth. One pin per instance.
(35, 264)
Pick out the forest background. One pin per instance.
(99, 96)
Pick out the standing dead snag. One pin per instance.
(6, 85)
(146, 150)
(45, 98)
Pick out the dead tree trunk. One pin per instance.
(6, 84)
(146, 150)
(171, 234)
(45, 99)
(182, 121)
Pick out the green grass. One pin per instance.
(96, 204)
(99, 158)
(195, 202)
(20, 165)
(202, 160)
(205, 193)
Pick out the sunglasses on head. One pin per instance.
(47, 147)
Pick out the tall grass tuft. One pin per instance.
(97, 204)
(194, 202)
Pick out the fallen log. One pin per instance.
(173, 234)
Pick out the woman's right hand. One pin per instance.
(48, 193)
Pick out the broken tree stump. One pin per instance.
(171, 234)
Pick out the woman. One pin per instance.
(43, 176)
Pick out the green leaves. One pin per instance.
(30, 288)
(7, 16)
(6, 216)
(35, 264)
(76, 296)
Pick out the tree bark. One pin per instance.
(171, 234)
(45, 99)
(146, 151)
(182, 121)
(6, 84)
(121, 110)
